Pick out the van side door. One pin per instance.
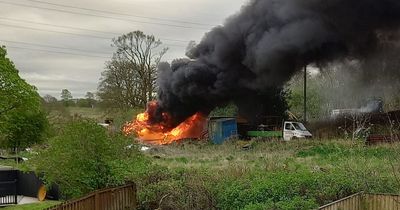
(288, 131)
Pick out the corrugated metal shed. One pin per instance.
(220, 129)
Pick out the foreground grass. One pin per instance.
(271, 155)
(33, 206)
(251, 175)
(266, 174)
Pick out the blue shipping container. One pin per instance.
(220, 129)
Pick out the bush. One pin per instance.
(24, 129)
(164, 188)
(283, 190)
(84, 157)
(228, 110)
(260, 206)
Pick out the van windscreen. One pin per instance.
(299, 126)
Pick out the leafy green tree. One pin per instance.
(22, 123)
(89, 95)
(15, 93)
(230, 110)
(90, 99)
(314, 97)
(82, 102)
(84, 157)
(66, 97)
(25, 128)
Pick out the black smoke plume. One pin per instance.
(259, 49)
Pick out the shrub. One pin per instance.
(178, 188)
(24, 129)
(283, 190)
(260, 206)
(84, 157)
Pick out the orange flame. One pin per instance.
(193, 127)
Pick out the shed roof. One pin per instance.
(221, 119)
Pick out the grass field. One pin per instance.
(271, 154)
(34, 206)
(99, 115)
(266, 174)
(92, 113)
(59, 115)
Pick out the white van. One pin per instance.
(295, 130)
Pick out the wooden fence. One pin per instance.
(382, 201)
(118, 198)
(362, 201)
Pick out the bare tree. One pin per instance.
(50, 99)
(129, 78)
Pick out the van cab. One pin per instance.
(295, 130)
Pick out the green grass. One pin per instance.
(275, 155)
(257, 174)
(92, 113)
(269, 175)
(33, 206)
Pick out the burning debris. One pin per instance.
(257, 50)
(161, 133)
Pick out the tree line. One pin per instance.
(68, 100)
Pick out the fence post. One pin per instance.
(16, 192)
(96, 201)
(134, 196)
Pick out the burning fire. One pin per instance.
(147, 132)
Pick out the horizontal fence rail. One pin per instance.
(118, 198)
(352, 202)
(364, 201)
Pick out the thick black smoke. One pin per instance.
(259, 49)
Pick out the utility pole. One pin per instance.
(305, 95)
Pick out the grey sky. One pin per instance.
(52, 71)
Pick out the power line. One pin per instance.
(53, 31)
(119, 13)
(47, 24)
(102, 16)
(57, 52)
(56, 47)
(52, 46)
(69, 33)
(79, 28)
